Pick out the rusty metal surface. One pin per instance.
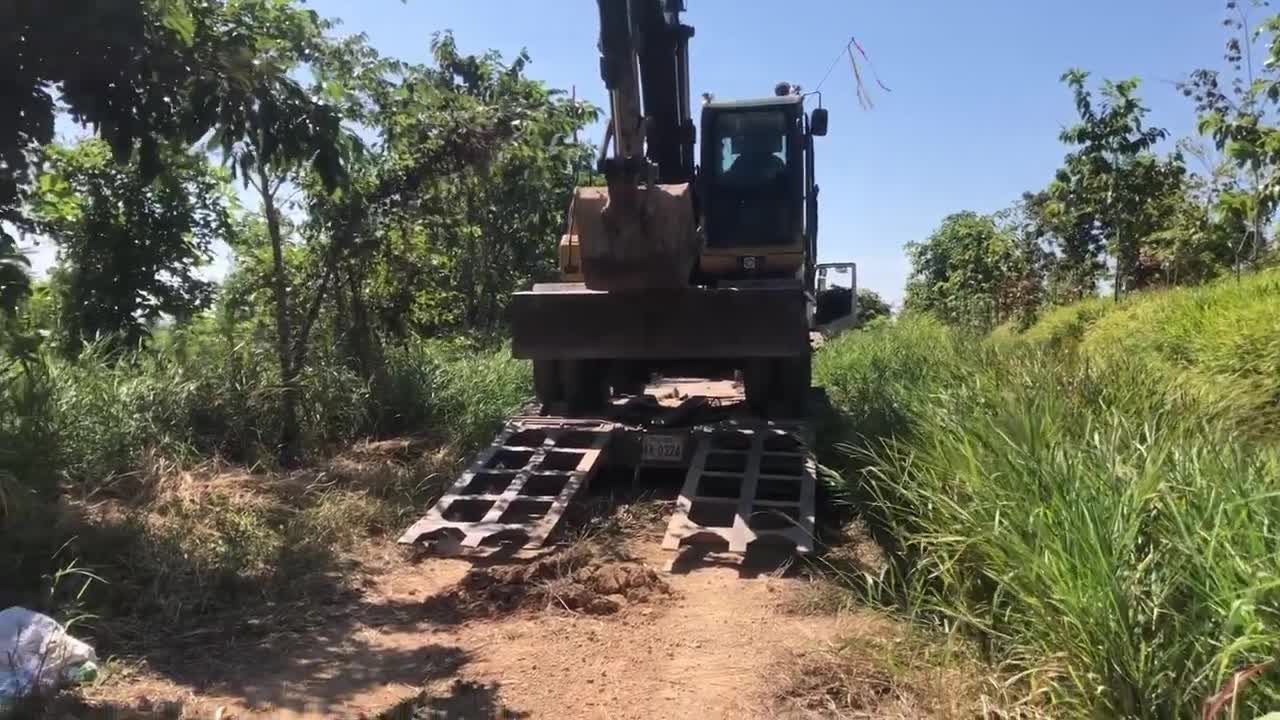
(747, 483)
(570, 321)
(632, 236)
(517, 489)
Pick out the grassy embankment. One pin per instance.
(138, 494)
(1097, 500)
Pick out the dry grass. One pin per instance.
(206, 547)
(886, 671)
(230, 557)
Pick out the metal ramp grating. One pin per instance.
(518, 487)
(746, 484)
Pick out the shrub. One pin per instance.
(875, 375)
(465, 391)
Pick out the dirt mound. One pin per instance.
(575, 583)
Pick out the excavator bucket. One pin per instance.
(634, 237)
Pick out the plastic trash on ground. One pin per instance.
(38, 656)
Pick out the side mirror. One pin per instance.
(818, 122)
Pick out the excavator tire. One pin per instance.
(547, 385)
(778, 387)
(757, 382)
(586, 386)
(628, 377)
(576, 388)
(795, 375)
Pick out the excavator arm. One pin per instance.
(640, 230)
(644, 62)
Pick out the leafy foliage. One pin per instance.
(465, 192)
(871, 306)
(1113, 204)
(144, 73)
(1237, 113)
(457, 202)
(129, 244)
(970, 271)
(1112, 177)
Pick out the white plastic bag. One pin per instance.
(37, 655)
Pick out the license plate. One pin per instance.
(662, 448)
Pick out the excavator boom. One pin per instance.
(640, 230)
(644, 62)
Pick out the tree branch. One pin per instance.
(298, 352)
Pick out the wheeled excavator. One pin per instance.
(672, 268)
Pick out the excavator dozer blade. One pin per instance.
(568, 320)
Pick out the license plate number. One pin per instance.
(662, 448)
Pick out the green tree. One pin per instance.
(1199, 223)
(495, 225)
(15, 278)
(1111, 175)
(1024, 266)
(276, 124)
(144, 73)
(464, 176)
(129, 245)
(960, 272)
(15, 283)
(1237, 113)
(871, 306)
(1060, 220)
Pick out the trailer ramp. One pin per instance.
(747, 482)
(517, 489)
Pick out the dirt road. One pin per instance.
(707, 642)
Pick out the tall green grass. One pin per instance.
(95, 417)
(1221, 341)
(462, 391)
(874, 376)
(105, 424)
(1064, 326)
(1105, 530)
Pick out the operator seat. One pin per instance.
(757, 165)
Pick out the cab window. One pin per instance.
(752, 147)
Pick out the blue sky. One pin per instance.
(971, 123)
(972, 120)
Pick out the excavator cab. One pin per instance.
(754, 186)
